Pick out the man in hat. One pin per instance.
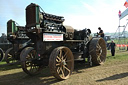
(101, 33)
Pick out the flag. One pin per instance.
(119, 13)
(126, 4)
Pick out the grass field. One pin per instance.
(82, 74)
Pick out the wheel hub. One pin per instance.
(64, 63)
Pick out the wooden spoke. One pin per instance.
(31, 55)
(98, 46)
(31, 69)
(62, 58)
(58, 70)
(9, 55)
(58, 58)
(62, 72)
(66, 68)
(98, 58)
(65, 55)
(28, 57)
(57, 64)
(60, 54)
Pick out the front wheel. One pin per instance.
(61, 63)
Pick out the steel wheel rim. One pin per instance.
(63, 63)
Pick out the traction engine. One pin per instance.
(57, 45)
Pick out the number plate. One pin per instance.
(52, 37)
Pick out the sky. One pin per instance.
(79, 14)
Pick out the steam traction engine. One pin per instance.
(57, 45)
(17, 36)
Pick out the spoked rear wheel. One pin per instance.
(61, 63)
(10, 56)
(97, 50)
(29, 62)
(1, 54)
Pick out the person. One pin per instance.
(101, 33)
(112, 46)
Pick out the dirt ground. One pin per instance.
(115, 73)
